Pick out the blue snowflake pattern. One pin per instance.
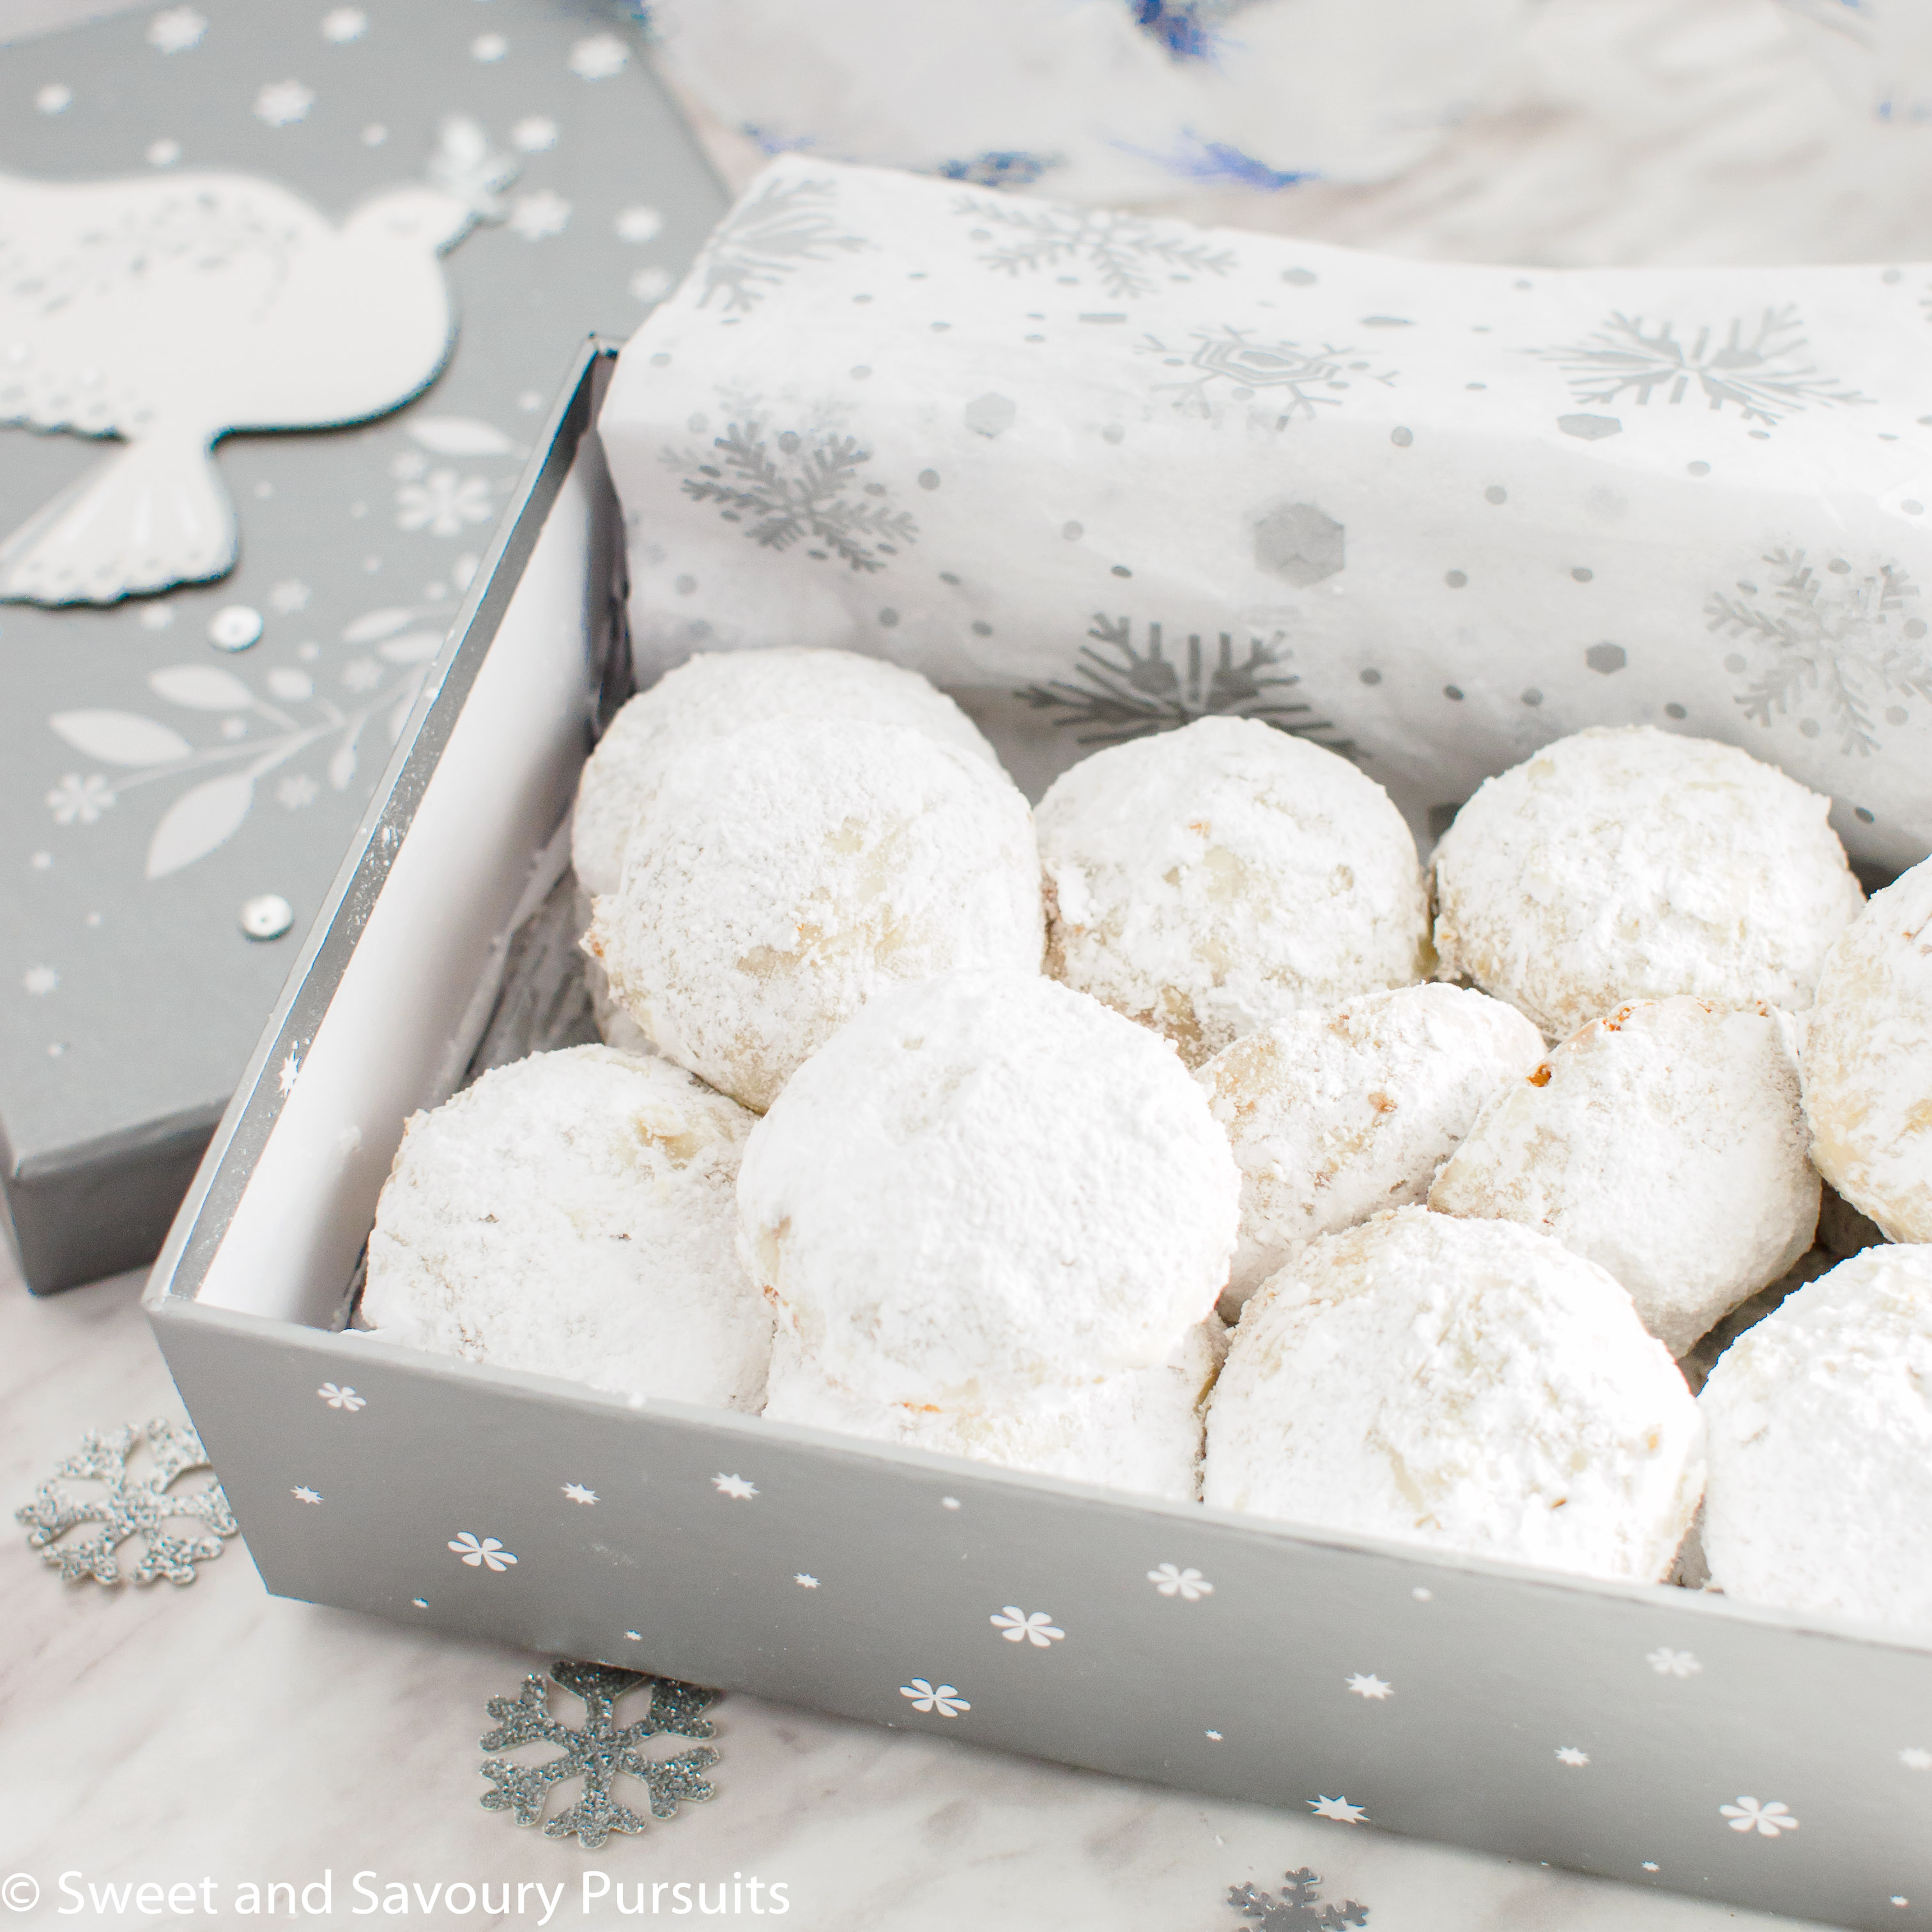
(1194, 159)
(1000, 167)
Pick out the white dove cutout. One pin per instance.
(168, 312)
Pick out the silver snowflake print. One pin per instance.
(1228, 361)
(1298, 1905)
(793, 488)
(769, 236)
(129, 1506)
(599, 1754)
(1117, 692)
(1130, 254)
(1762, 370)
(1832, 647)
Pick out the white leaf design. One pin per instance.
(460, 436)
(374, 624)
(121, 737)
(198, 821)
(342, 765)
(400, 717)
(418, 647)
(201, 688)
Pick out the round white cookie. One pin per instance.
(1631, 864)
(984, 1187)
(1335, 1113)
(570, 1214)
(1820, 1426)
(1665, 1143)
(1466, 1383)
(716, 693)
(1867, 1060)
(1206, 880)
(787, 873)
(1139, 1431)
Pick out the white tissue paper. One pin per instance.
(1099, 474)
(1099, 99)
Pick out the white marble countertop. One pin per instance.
(217, 1734)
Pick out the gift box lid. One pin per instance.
(182, 769)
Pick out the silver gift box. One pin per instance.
(1654, 1735)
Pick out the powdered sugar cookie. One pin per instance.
(1466, 1383)
(787, 873)
(1868, 1061)
(570, 1214)
(717, 692)
(1206, 880)
(1631, 864)
(1820, 1426)
(986, 1186)
(1139, 1431)
(1335, 1113)
(1665, 1142)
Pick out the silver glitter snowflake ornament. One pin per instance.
(129, 1506)
(599, 1752)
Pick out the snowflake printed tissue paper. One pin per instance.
(1099, 474)
(170, 760)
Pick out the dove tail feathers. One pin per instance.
(153, 514)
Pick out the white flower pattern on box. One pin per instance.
(1188, 1584)
(485, 1551)
(339, 1397)
(927, 1696)
(1036, 1628)
(1669, 1663)
(443, 503)
(1768, 1820)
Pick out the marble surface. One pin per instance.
(217, 1734)
(214, 1733)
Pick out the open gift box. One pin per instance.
(1655, 1735)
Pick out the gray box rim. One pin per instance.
(1202, 1649)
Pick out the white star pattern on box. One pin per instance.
(1188, 1584)
(806, 1580)
(1339, 1809)
(533, 134)
(1017, 1626)
(288, 1073)
(578, 1493)
(1674, 1663)
(1767, 1820)
(344, 24)
(1214, 1736)
(176, 29)
(1365, 1683)
(599, 58)
(942, 1697)
(1569, 1755)
(283, 103)
(734, 1486)
(304, 1494)
(39, 980)
(342, 1398)
(54, 98)
(486, 1551)
(1914, 1757)
(535, 217)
